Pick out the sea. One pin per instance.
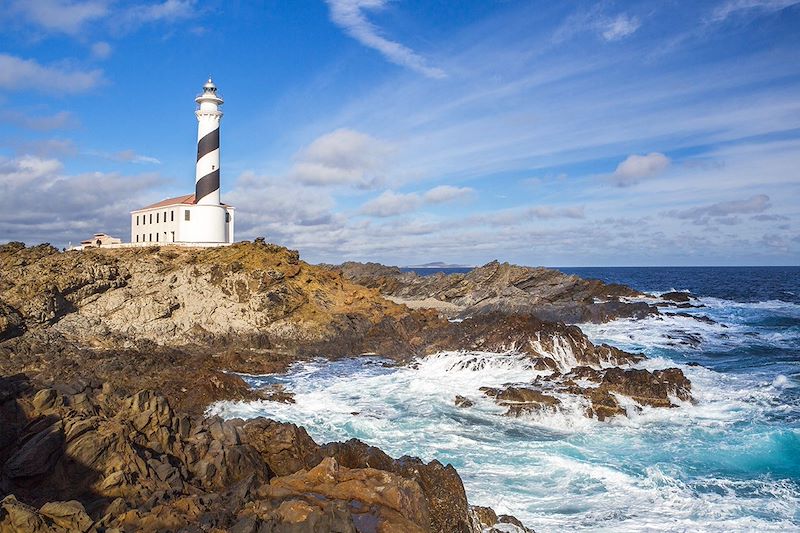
(730, 461)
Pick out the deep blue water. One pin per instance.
(741, 284)
(730, 461)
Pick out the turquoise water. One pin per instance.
(729, 462)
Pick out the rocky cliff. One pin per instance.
(503, 288)
(108, 359)
(82, 457)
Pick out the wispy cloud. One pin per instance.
(60, 120)
(738, 7)
(350, 16)
(126, 156)
(596, 20)
(64, 16)
(755, 204)
(22, 74)
(618, 27)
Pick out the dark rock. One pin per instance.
(677, 297)
(522, 400)
(508, 519)
(275, 393)
(461, 401)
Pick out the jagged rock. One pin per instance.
(11, 322)
(461, 401)
(521, 400)
(648, 388)
(69, 515)
(134, 464)
(285, 448)
(16, 517)
(441, 485)
(485, 515)
(677, 297)
(275, 393)
(39, 453)
(369, 486)
(508, 519)
(502, 288)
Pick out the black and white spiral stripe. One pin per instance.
(209, 183)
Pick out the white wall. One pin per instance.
(206, 224)
(165, 230)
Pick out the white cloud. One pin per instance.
(101, 50)
(342, 157)
(618, 27)
(21, 74)
(168, 10)
(637, 167)
(735, 7)
(349, 15)
(25, 170)
(391, 203)
(41, 203)
(447, 193)
(60, 120)
(63, 16)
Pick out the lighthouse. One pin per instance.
(206, 175)
(201, 218)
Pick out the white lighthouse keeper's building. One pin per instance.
(199, 218)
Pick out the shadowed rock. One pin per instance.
(93, 460)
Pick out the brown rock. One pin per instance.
(461, 401)
(368, 486)
(70, 515)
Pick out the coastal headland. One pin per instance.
(110, 358)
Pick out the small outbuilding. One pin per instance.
(99, 240)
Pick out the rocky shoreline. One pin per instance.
(110, 357)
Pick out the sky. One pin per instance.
(408, 131)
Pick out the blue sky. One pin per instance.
(406, 131)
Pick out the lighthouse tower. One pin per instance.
(206, 175)
(201, 218)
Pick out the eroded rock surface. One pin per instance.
(95, 460)
(503, 288)
(599, 388)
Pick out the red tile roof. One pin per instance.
(187, 199)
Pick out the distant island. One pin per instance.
(439, 264)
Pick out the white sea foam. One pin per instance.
(560, 471)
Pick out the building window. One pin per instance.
(186, 215)
(156, 236)
(157, 217)
(172, 216)
(150, 237)
(137, 238)
(165, 216)
(137, 220)
(227, 217)
(173, 236)
(151, 218)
